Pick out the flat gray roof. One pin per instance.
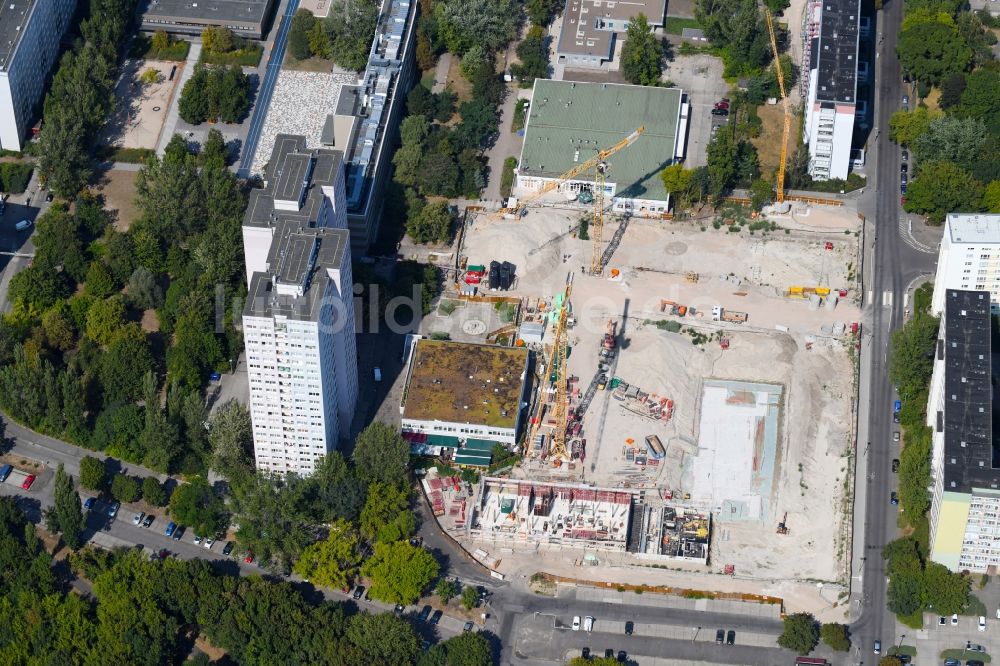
(285, 171)
(209, 12)
(974, 228)
(299, 254)
(585, 29)
(13, 17)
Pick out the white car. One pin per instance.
(982, 623)
(576, 623)
(954, 620)
(208, 543)
(197, 539)
(137, 518)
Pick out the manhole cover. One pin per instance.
(676, 248)
(474, 327)
(156, 108)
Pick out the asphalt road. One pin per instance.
(266, 90)
(895, 266)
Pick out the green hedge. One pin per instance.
(15, 176)
(507, 177)
(128, 155)
(245, 57)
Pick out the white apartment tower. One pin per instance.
(30, 32)
(298, 322)
(831, 67)
(969, 258)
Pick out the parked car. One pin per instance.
(214, 376)
(954, 620)
(22, 225)
(437, 618)
(28, 480)
(89, 503)
(208, 542)
(895, 468)
(895, 436)
(171, 528)
(629, 627)
(895, 417)
(113, 509)
(893, 498)
(904, 155)
(974, 662)
(903, 178)
(982, 623)
(576, 623)
(358, 591)
(942, 620)
(425, 613)
(720, 112)
(585, 653)
(397, 609)
(721, 105)
(178, 533)
(197, 540)
(48, 198)
(137, 518)
(902, 188)
(903, 168)
(952, 662)
(467, 627)
(609, 653)
(149, 520)
(622, 656)
(228, 549)
(906, 100)
(878, 646)
(5, 471)
(720, 635)
(249, 557)
(731, 637)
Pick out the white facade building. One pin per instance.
(298, 323)
(32, 30)
(969, 258)
(831, 63)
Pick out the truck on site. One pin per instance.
(671, 308)
(719, 313)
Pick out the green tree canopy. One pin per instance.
(942, 188)
(382, 455)
(905, 127)
(466, 649)
(153, 492)
(431, 224)
(952, 139)
(230, 435)
(195, 504)
(463, 23)
(399, 572)
(944, 591)
(386, 516)
(835, 635)
(382, 639)
(800, 634)
(66, 513)
(931, 51)
(92, 473)
(333, 562)
(642, 55)
(125, 488)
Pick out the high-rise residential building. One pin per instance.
(298, 322)
(298, 327)
(965, 466)
(969, 258)
(831, 65)
(300, 185)
(33, 30)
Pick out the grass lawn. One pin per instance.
(307, 65)
(507, 177)
(517, 122)
(768, 142)
(675, 25)
(965, 655)
(908, 650)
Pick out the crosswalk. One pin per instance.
(906, 234)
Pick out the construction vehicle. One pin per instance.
(721, 314)
(609, 336)
(723, 343)
(786, 129)
(674, 308)
(782, 526)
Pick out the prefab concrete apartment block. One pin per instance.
(30, 35)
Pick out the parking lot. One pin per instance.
(700, 76)
(935, 638)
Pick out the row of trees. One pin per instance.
(81, 97)
(737, 29)
(344, 36)
(917, 584)
(143, 612)
(75, 362)
(216, 94)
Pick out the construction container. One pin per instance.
(814, 302)
(831, 302)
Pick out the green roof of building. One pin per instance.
(566, 117)
(473, 444)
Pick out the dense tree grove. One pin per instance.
(74, 360)
(344, 36)
(215, 93)
(81, 96)
(138, 609)
(642, 54)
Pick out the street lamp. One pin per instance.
(232, 366)
(695, 637)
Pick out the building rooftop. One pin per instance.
(465, 383)
(970, 452)
(568, 122)
(213, 11)
(836, 54)
(585, 29)
(299, 263)
(13, 17)
(293, 174)
(973, 228)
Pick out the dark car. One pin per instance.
(398, 610)
(609, 653)
(902, 188)
(467, 627)
(895, 465)
(149, 520)
(89, 504)
(720, 112)
(720, 636)
(974, 662)
(585, 653)
(436, 617)
(424, 645)
(731, 637)
(113, 509)
(178, 533)
(903, 168)
(229, 548)
(171, 528)
(425, 613)
(893, 498)
(48, 197)
(358, 591)
(622, 656)
(895, 417)
(903, 178)
(904, 155)
(629, 627)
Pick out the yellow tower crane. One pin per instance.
(557, 377)
(780, 176)
(554, 183)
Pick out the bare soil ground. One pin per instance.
(768, 144)
(119, 194)
(141, 109)
(458, 83)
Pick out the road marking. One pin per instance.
(871, 295)
(887, 299)
(906, 298)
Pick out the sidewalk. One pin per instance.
(170, 124)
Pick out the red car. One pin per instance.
(722, 105)
(249, 558)
(28, 481)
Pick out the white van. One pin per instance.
(22, 225)
(588, 623)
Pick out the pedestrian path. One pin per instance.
(170, 123)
